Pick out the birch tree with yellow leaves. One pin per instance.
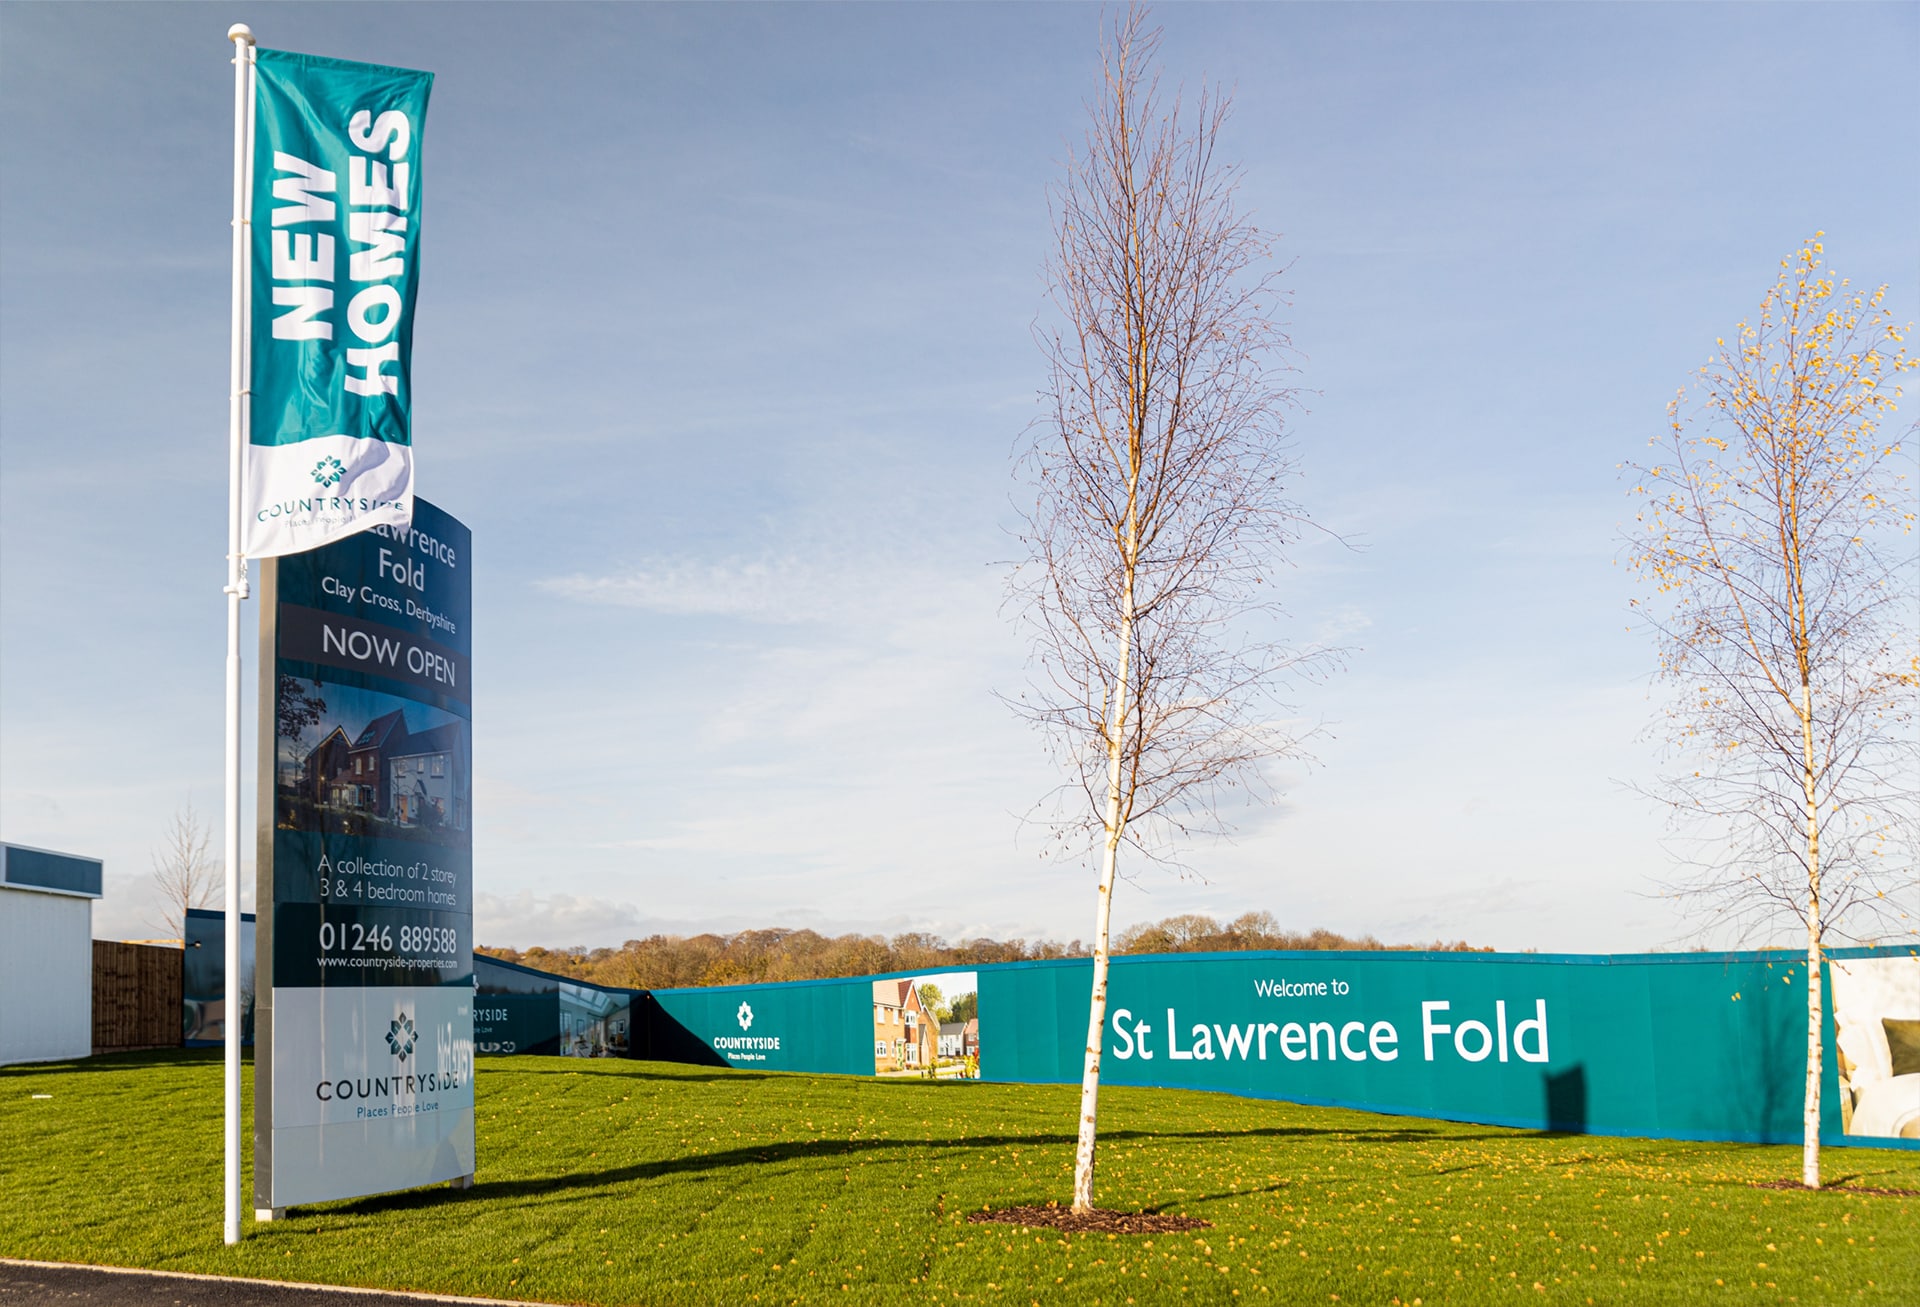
(1774, 540)
(1160, 473)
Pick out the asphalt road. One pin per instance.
(29, 1284)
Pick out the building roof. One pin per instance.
(381, 729)
(328, 738)
(444, 738)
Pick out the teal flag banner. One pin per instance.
(335, 261)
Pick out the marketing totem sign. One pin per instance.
(364, 1020)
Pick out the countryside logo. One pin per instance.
(328, 471)
(401, 1036)
(744, 1047)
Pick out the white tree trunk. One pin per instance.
(1097, 1007)
(1096, 1030)
(1810, 1122)
(1810, 1145)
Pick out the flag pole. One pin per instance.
(236, 590)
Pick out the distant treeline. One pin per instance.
(754, 956)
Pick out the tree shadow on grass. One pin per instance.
(817, 1150)
(1230, 1193)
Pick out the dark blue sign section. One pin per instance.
(337, 640)
(362, 872)
(203, 978)
(416, 581)
(372, 862)
(336, 945)
(39, 869)
(520, 1010)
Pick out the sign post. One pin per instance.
(236, 591)
(363, 1027)
(328, 246)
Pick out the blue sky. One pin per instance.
(723, 347)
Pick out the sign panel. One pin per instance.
(1678, 1046)
(334, 268)
(43, 869)
(364, 1027)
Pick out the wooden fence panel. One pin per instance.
(136, 996)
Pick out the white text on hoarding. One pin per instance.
(1331, 1041)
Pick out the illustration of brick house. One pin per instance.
(391, 773)
(322, 773)
(365, 772)
(905, 1036)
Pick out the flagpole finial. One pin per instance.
(240, 33)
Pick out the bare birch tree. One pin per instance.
(1160, 505)
(1774, 541)
(184, 871)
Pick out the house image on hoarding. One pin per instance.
(960, 1039)
(390, 772)
(905, 1037)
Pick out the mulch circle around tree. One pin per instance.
(1795, 1186)
(1098, 1221)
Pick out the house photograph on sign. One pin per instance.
(927, 1026)
(358, 762)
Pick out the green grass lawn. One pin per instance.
(636, 1182)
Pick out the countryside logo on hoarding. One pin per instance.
(400, 1036)
(744, 1047)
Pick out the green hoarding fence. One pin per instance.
(1677, 1046)
(820, 1026)
(814, 1026)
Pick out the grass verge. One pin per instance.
(648, 1183)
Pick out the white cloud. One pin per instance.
(554, 921)
(768, 589)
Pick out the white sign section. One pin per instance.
(377, 1095)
